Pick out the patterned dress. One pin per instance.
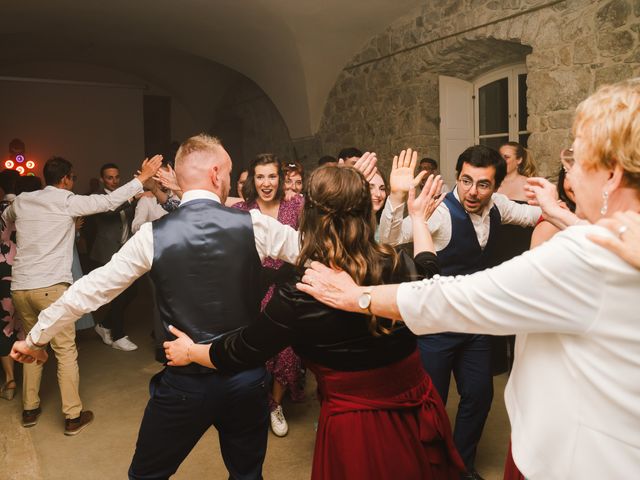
(286, 367)
(11, 328)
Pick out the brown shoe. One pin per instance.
(30, 417)
(73, 426)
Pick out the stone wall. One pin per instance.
(248, 123)
(387, 97)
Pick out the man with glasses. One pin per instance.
(464, 231)
(45, 232)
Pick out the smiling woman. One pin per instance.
(264, 190)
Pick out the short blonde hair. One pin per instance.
(198, 143)
(610, 121)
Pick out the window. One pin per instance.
(501, 107)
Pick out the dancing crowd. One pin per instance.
(382, 287)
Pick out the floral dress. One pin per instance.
(286, 366)
(11, 328)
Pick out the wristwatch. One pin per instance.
(364, 300)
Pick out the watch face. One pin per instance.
(364, 300)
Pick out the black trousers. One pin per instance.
(469, 358)
(182, 407)
(114, 320)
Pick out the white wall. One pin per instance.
(88, 125)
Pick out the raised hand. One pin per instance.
(177, 351)
(401, 177)
(422, 207)
(167, 178)
(21, 353)
(149, 168)
(366, 164)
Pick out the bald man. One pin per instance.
(204, 260)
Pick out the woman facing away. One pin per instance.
(512, 240)
(380, 415)
(545, 229)
(264, 190)
(573, 397)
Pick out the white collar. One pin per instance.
(197, 194)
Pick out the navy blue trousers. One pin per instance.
(182, 407)
(469, 358)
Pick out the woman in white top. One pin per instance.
(574, 395)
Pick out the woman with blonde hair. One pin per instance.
(380, 415)
(573, 397)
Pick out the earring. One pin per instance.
(605, 203)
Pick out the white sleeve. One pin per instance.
(530, 293)
(98, 287)
(140, 216)
(274, 239)
(516, 213)
(82, 205)
(394, 229)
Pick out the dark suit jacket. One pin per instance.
(108, 227)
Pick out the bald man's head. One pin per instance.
(203, 163)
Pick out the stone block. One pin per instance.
(583, 52)
(560, 119)
(613, 14)
(565, 56)
(612, 74)
(615, 43)
(541, 60)
(530, 30)
(549, 33)
(558, 89)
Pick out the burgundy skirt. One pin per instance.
(511, 471)
(385, 423)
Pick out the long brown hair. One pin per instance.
(338, 228)
(249, 191)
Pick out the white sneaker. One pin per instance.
(278, 422)
(124, 344)
(105, 334)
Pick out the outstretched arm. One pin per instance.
(274, 239)
(97, 288)
(484, 302)
(242, 349)
(83, 205)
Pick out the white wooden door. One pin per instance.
(456, 124)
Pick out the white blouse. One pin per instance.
(573, 397)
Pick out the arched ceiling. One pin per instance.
(293, 49)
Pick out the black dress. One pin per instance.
(513, 240)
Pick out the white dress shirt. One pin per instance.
(45, 231)
(147, 210)
(134, 259)
(396, 230)
(573, 396)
